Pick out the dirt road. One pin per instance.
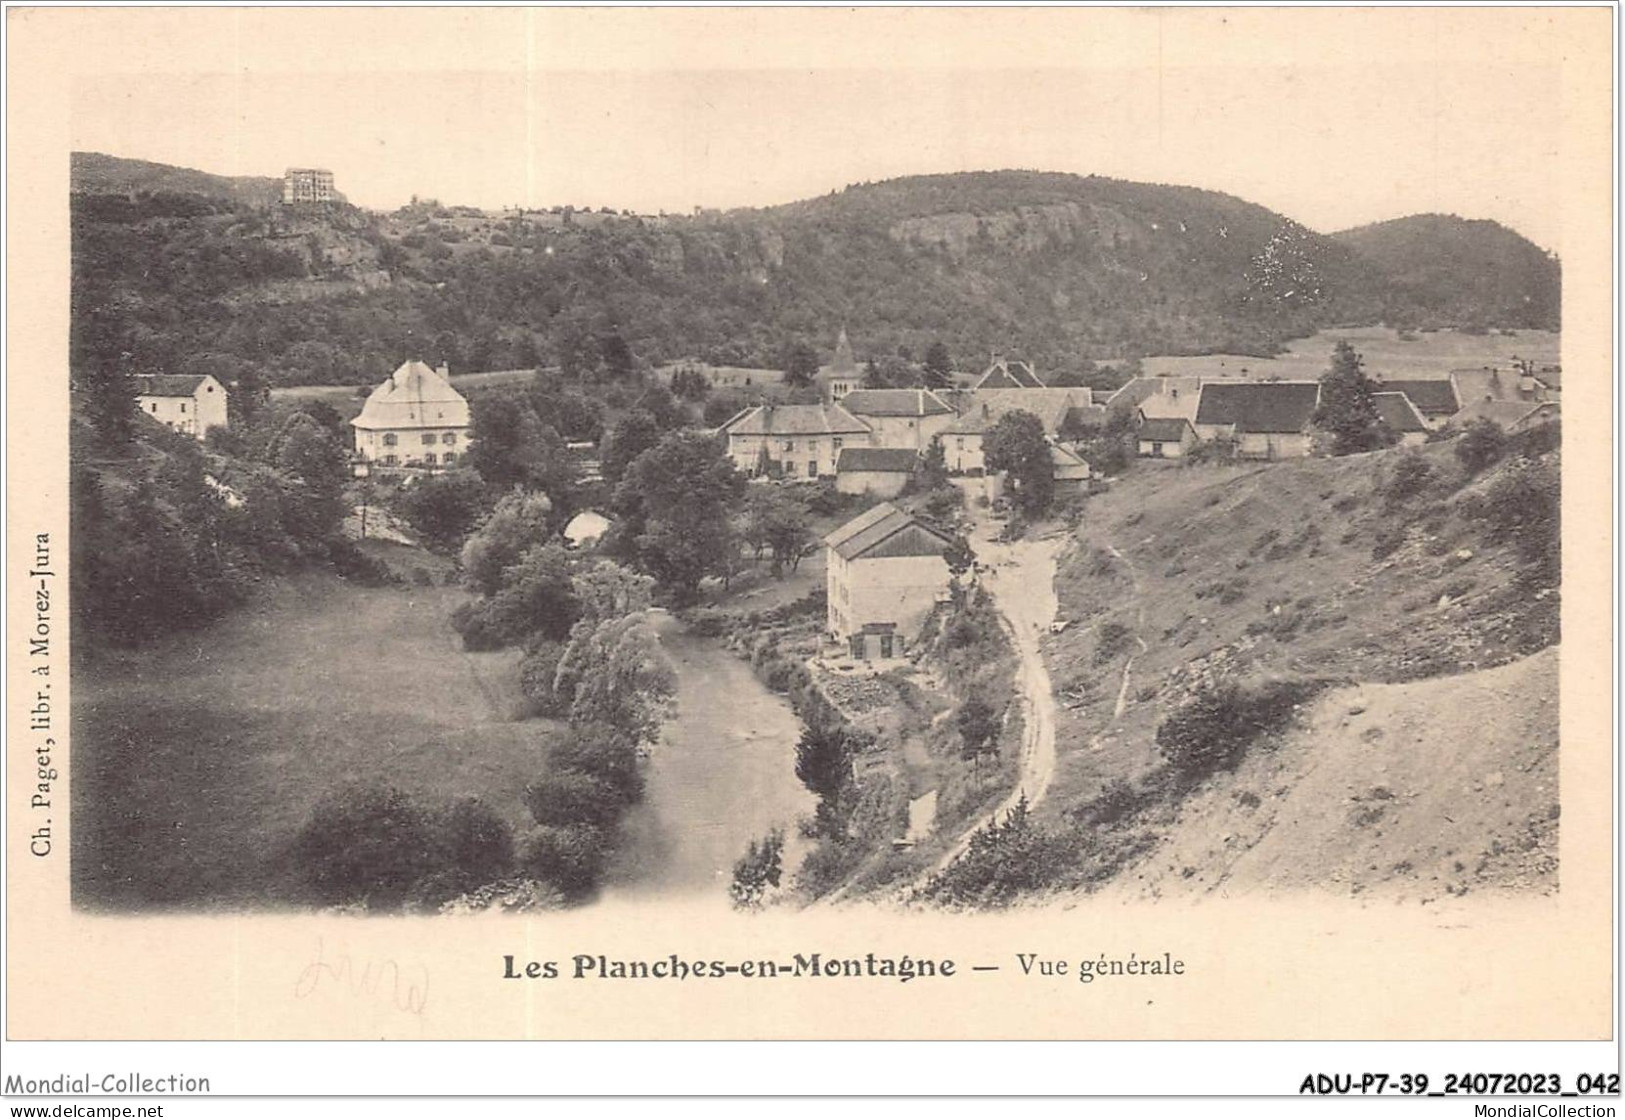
(1021, 579)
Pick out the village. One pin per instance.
(796, 636)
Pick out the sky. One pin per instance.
(537, 113)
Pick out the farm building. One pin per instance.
(1402, 417)
(1514, 416)
(186, 403)
(886, 573)
(1159, 398)
(414, 419)
(883, 471)
(1164, 437)
(1267, 419)
(796, 440)
(1434, 398)
(905, 418)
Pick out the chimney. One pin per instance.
(443, 369)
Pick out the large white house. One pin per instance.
(187, 403)
(799, 441)
(886, 572)
(415, 419)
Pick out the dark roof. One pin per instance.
(886, 530)
(168, 384)
(899, 460)
(1398, 411)
(1259, 406)
(1084, 416)
(895, 402)
(795, 420)
(1004, 374)
(1165, 429)
(1432, 397)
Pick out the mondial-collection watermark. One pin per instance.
(111, 1084)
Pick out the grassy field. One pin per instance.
(195, 761)
(1386, 353)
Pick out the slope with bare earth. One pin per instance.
(1422, 640)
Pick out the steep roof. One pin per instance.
(1508, 414)
(1259, 406)
(168, 384)
(415, 396)
(1475, 385)
(1007, 374)
(1084, 416)
(1434, 396)
(1398, 411)
(895, 402)
(1164, 429)
(1067, 464)
(891, 460)
(795, 420)
(884, 531)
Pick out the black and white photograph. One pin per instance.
(572, 492)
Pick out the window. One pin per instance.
(155, 406)
(449, 438)
(429, 459)
(389, 460)
(1156, 448)
(389, 439)
(183, 408)
(885, 645)
(449, 457)
(856, 642)
(812, 468)
(836, 442)
(787, 445)
(208, 388)
(428, 439)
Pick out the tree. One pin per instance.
(824, 758)
(776, 518)
(1347, 409)
(636, 432)
(758, 870)
(1480, 444)
(800, 365)
(307, 454)
(938, 366)
(674, 504)
(978, 730)
(872, 377)
(511, 446)
(619, 675)
(518, 522)
(109, 395)
(1017, 446)
(444, 508)
(364, 845)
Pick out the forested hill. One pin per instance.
(95, 173)
(1060, 269)
(1472, 273)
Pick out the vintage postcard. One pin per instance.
(744, 524)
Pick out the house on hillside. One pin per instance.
(800, 441)
(187, 403)
(1266, 419)
(904, 418)
(981, 409)
(1401, 417)
(841, 376)
(1513, 416)
(1160, 437)
(1159, 398)
(882, 471)
(1434, 398)
(886, 572)
(413, 419)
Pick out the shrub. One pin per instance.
(1410, 476)
(474, 843)
(367, 845)
(1214, 729)
(1112, 639)
(570, 857)
(538, 680)
(1006, 858)
(568, 797)
(758, 870)
(602, 752)
(357, 567)
(1481, 444)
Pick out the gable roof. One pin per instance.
(169, 384)
(891, 460)
(1164, 429)
(1432, 396)
(884, 531)
(1508, 414)
(795, 420)
(1259, 406)
(1399, 412)
(415, 396)
(980, 409)
(1007, 374)
(895, 402)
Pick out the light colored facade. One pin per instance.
(186, 403)
(882, 471)
(307, 184)
(414, 419)
(801, 441)
(900, 418)
(1267, 419)
(1164, 437)
(886, 573)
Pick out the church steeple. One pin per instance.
(843, 352)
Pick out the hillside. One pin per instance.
(95, 173)
(1328, 674)
(1424, 259)
(1066, 270)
